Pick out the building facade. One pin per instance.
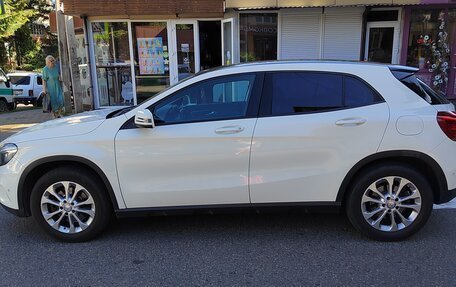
(134, 49)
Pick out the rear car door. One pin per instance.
(38, 86)
(313, 128)
(198, 152)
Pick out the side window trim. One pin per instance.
(266, 99)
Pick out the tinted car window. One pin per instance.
(296, 92)
(39, 81)
(20, 80)
(358, 93)
(218, 99)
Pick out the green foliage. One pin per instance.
(17, 14)
(16, 32)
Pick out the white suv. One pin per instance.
(371, 139)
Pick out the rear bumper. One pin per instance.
(24, 99)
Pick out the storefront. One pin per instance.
(135, 56)
(429, 43)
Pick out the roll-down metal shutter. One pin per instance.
(300, 33)
(343, 31)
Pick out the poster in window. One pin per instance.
(151, 56)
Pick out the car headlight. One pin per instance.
(7, 152)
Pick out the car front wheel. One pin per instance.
(389, 202)
(70, 204)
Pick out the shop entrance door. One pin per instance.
(382, 43)
(185, 57)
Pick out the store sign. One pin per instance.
(259, 29)
(152, 56)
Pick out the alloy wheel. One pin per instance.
(391, 203)
(68, 207)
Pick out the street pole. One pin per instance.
(63, 56)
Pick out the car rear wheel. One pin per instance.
(70, 205)
(389, 202)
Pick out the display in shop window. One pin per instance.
(429, 46)
(440, 56)
(151, 56)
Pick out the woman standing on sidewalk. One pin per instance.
(52, 86)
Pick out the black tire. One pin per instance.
(103, 208)
(11, 106)
(39, 101)
(3, 106)
(364, 180)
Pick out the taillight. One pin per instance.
(447, 122)
(30, 93)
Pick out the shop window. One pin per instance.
(112, 60)
(424, 30)
(151, 50)
(84, 73)
(258, 36)
(429, 45)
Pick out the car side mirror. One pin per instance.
(144, 119)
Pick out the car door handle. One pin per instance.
(351, 122)
(229, 130)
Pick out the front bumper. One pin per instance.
(16, 212)
(9, 181)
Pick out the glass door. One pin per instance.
(227, 41)
(382, 43)
(151, 58)
(186, 49)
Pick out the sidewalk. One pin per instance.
(13, 122)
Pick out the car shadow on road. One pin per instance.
(313, 227)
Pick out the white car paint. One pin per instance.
(273, 159)
(298, 159)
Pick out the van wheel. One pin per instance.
(3, 106)
(11, 106)
(389, 202)
(70, 205)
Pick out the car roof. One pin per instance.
(23, 74)
(303, 64)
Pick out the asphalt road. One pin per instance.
(227, 250)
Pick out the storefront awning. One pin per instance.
(135, 8)
(259, 4)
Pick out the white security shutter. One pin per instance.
(300, 33)
(343, 30)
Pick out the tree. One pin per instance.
(15, 29)
(17, 14)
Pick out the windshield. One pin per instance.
(20, 80)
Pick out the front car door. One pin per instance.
(198, 152)
(312, 129)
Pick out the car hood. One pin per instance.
(78, 124)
